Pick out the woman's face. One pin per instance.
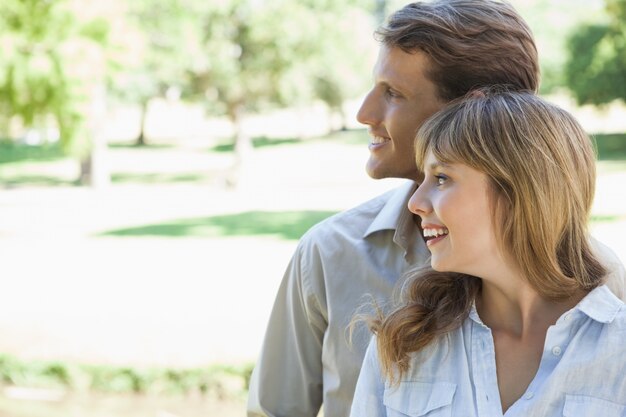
(455, 205)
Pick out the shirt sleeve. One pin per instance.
(370, 387)
(287, 378)
(616, 274)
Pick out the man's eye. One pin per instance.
(391, 93)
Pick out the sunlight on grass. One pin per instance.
(611, 167)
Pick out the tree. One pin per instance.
(49, 67)
(166, 42)
(248, 51)
(596, 66)
(342, 54)
(261, 54)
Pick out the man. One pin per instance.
(430, 54)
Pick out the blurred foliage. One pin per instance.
(162, 42)
(551, 21)
(240, 56)
(596, 66)
(260, 54)
(234, 55)
(215, 380)
(49, 63)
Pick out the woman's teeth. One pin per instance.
(435, 232)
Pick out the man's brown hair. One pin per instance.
(470, 44)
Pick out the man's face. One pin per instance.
(401, 99)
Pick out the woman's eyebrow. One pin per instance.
(439, 164)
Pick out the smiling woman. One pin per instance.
(449, 195)
(508, 187)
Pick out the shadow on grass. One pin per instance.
(36, 180)
(147, 146)
(348, 137)
(605, 218)
(260, 142)
(611, 147)
(288, 225)
(158, 178)
(13, 152)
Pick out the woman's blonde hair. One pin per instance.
(541, 167)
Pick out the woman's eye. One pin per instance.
(441, 179)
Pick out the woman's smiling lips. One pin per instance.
(434, 233)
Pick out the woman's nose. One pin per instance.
(420, 203)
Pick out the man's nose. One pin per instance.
(369, 113)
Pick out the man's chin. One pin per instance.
(374, 171)
(378, 171)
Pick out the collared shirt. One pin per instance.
(582, 371)
(340, 264)
(306, 359)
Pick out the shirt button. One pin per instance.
(568, 316)
(529, 395)
(556, 351)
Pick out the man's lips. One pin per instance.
(378, 141)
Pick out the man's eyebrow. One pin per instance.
(395, 86)
(384, 83)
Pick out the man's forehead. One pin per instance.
(394, 66)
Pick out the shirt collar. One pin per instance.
(601, 305)
(394, 214)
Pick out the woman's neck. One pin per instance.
(518, 309)
(519, 318)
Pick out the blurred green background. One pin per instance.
(160, 159)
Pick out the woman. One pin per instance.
(512, 317)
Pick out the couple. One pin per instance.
(504, 308)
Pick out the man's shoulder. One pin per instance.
(616, 273)
(354, 221)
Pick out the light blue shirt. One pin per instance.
(582, 371)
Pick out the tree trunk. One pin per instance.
(343, 118)
(141, 139)
(381, 11)
(335, 113)
(94, 170)
(242, 147)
